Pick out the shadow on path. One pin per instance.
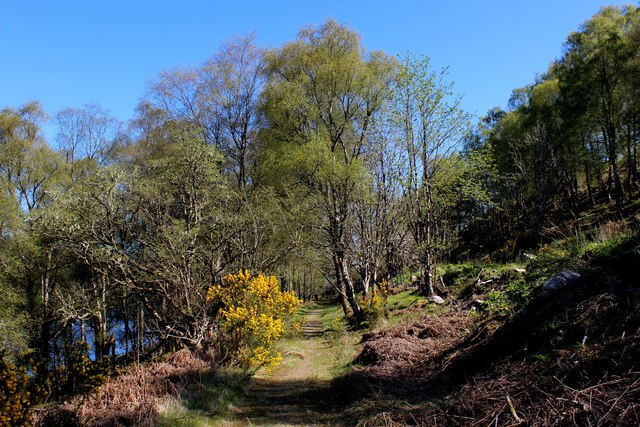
(294, 403)
(297, 393)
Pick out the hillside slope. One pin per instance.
(567, 356)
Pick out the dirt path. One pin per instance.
(293, 393)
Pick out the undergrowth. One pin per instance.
(610, 252)
(206, 400)
(479, 291)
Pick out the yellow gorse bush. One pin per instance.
(376, 306)
(19, 393)
(380, 294)
(252, 312)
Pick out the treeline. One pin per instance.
(570, 139)
(316, 162)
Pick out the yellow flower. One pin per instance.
(254, 313)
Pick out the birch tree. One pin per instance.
(321, 97)
(431, 126)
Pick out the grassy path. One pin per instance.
(293, 394)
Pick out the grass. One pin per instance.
(376, 412)
(406, 299)
(205, 401)
(308, 362)
(505, 288)
(176, 415)
(403, 307)
(324, 359)
(339, 340)
(611, 250)
(330, 315)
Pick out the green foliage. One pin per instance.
(15, 322)
(78, 374)
(572, 131)
(615, 252)
(542, 358)
(612, 251)
(509, 299)
(432, 125)
(458, 275)
(611, 240)
(502, 287)
(376, 306)
(405, 299)
(552, 259)
(30, 169)
(10, 214)
(321, 99)
(402, 279)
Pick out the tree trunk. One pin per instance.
(341, 287)
(358, 314)
(427, 275)
(615, 176)
(46, 285)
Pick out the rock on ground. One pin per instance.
(561, 280)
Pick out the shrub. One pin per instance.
(79, 374)
(510, 299)
(24, 384)
(252, 312)
(19, 393)
(377, 305)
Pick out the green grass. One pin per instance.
(458, 276)
(205, 400)
(338, 336)
(619, 258)
(329, 313)
(611, 250)
(406, 299)
(176, 415)
(406, 306)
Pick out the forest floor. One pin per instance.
(504, 350)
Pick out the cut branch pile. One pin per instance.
(550, 394)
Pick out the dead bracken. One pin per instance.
(133, 397)
(566, 359)
(396, 348)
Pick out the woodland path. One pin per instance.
(294, 393)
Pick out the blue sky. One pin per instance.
(69, 53)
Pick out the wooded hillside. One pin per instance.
(333, 169)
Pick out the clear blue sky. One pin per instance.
(69, 53)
